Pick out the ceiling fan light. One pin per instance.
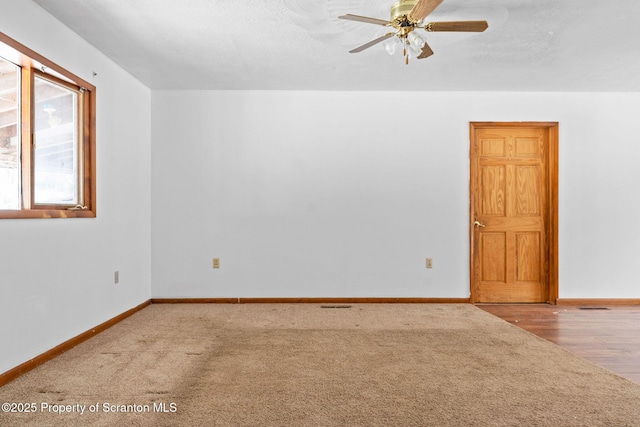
(413, 50)
(391, 47)
(416, 40)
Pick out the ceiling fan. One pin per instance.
(408, 16)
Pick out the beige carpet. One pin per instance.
(303, 365)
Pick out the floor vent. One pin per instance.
(335, 306)
(594, 308)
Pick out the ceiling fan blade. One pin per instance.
(468, 26)
(371, 43)
(426, 51)
(366, 19)
(422, 9)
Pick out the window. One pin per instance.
(47, 138)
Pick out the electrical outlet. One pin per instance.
(216, 263)
(429, 263)
(116, 277)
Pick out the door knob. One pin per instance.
(478, 224)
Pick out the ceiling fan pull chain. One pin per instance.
(406, 52)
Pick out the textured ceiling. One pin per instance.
(531, 45)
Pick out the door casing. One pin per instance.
(552, 197)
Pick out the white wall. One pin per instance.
(56, 275)
(339, 194)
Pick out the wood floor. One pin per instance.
(608, 336)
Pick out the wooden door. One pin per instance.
(513, 212)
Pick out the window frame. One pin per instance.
(32, 64)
